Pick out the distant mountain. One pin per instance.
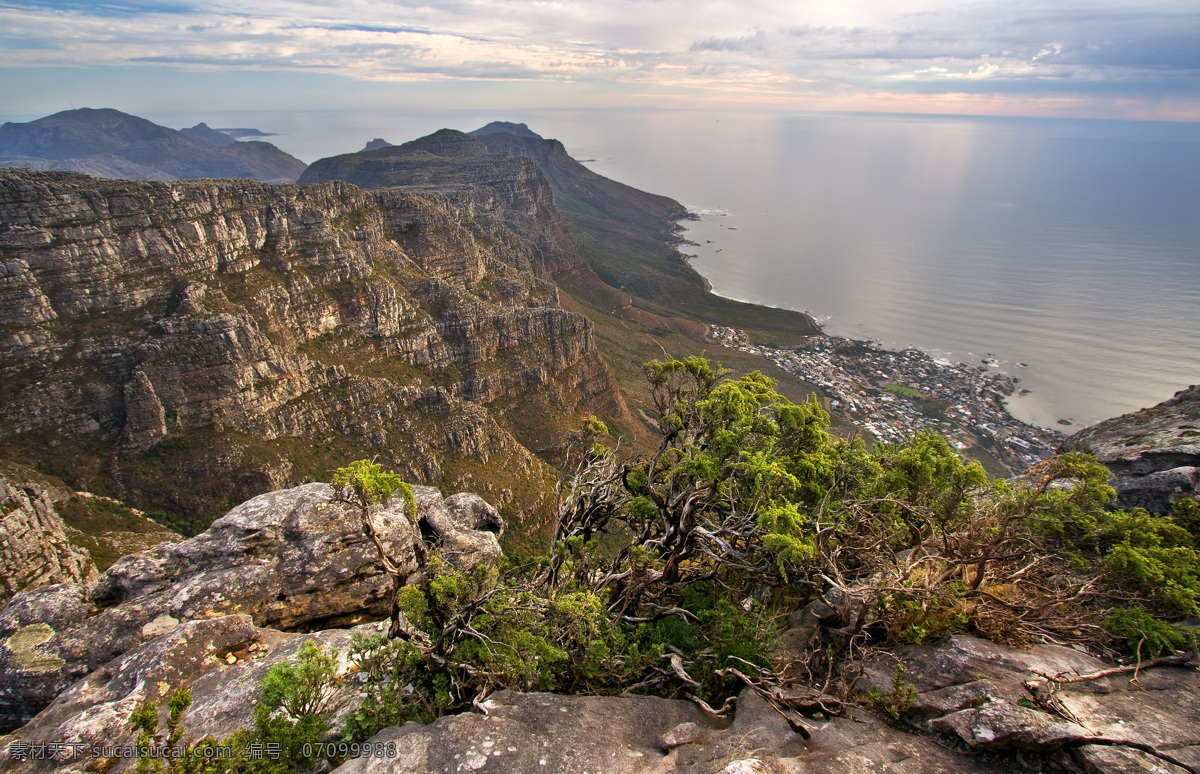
(243, 132)
(109, 143)
(580, 189)
(376, 144)
(446, 157)
(627, 237)
(448, 160)
(204, 133)
(498, 127)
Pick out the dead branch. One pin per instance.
(1146, 748)
(1179, 659)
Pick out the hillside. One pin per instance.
(627, 276)
(184, 346)
(109, 143)
(628, 238)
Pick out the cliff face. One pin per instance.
(1154, 453)
(230, 337)
(445, 162)
(34, 549)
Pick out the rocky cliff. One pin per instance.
(447, 160)
(34, 548)
(183, 346)
(1154, 453)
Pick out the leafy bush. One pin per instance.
(292, 712)
(1143, 634)
(664, 574)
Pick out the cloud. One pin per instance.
(770, 47)
(115, 9)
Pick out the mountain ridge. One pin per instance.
(92, 140)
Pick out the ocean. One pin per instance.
(1068, 250)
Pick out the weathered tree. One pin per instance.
(365, 484)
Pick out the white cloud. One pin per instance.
(758, 45)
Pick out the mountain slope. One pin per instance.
(624, 272)
(93, 141)
(629, 239)
(183, 346)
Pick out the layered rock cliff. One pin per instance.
(1154, 453)
(34, 548)
(183, 346)
(447, 160)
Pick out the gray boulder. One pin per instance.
(296, 558)
(463, 528)
(639, 734)
(990, 697)
(220, 660)
(1154, 453)
(293, 559)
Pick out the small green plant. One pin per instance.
(365, 483)
(897, 701)
(301, 689)
(389, 672)
(291, 718)
(144, 720)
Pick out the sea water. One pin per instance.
(1067, 250)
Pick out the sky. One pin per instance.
(1126, 59)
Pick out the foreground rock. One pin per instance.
(294, 559)
(220, 660)
(988, 697)
(636, 734)
(1154, 453)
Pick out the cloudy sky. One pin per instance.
(1121, 59)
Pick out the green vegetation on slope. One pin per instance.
(749, 497)
(668, 575)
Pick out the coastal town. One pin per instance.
(892, 395)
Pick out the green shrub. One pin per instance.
(1144, 634)
(290, 719)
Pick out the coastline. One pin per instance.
(893, 394)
